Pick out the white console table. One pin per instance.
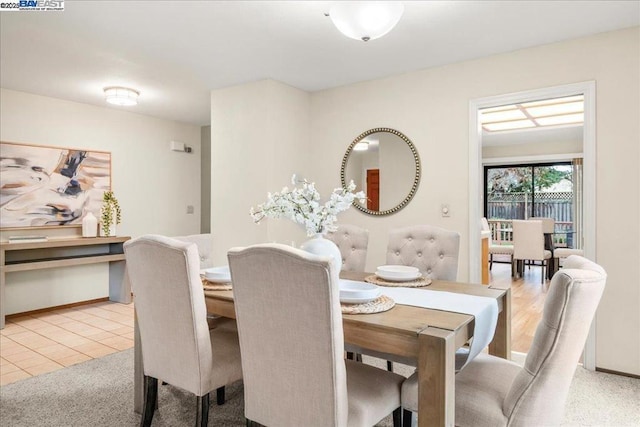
(67, 252)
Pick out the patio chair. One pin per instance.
(496, 249)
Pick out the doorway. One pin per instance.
(476, 181)
(549, 190)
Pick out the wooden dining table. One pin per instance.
(428, 336)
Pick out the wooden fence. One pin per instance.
(502, 208)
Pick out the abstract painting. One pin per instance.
(43, 186)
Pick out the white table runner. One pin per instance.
(484, 309)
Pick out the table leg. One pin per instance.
(138, 370)
(436, 377)
(501, 344)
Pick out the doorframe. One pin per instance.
(588, 89)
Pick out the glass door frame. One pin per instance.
(486, 169)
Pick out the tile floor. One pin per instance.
(36, 344)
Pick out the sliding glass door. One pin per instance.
(533, 190)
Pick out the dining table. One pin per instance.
(428, 336)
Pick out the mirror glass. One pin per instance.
(384, 164)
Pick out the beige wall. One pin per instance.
(253, 153)
(259, 138)
(431, 107)
(153, 184)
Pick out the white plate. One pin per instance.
(401, 270)
(218, 274)
(353, 289)
(359, 300)
(397, 278)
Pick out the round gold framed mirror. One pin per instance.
(384, 164)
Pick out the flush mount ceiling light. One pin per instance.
(365, 20)
(117, 95)
(361, 146)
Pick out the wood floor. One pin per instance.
(527, 301)
(40, 343)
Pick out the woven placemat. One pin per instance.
(215, 286)
(417, 283)
(378, 305)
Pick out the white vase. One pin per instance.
(318, 245)
(112, 231)
(89, 225)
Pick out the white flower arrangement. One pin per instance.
(302, 205)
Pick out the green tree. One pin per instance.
(518, 179)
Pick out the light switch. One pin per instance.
(189, 209)
(176, 146)
(445, 211)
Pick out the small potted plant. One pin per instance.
(109, 214)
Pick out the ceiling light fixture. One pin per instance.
(365, 20)
(361, 146)
(118, 95)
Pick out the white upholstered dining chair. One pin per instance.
(548, 224)
(528, 244)
(563, 253)
(291, 340)
(177, 345)
(495, 392)
(433, 250)
(204, 243)
(352, 242)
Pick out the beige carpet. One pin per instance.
(100, 393)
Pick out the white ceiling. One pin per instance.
(176, 52)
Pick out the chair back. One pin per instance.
(528, 240)
(548, 224)
(538, 393)
(171, 312)
(484, 226)
(291, 340)
(204, 243)
(433, 250)
(352, 242)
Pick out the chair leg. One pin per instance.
(407, 418)
(150, 399)
(490, 261)
(220, 396)
(389, 366)
(202, 415)
(397, 417)
(359, 357)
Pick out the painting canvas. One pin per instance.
(50, 186)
